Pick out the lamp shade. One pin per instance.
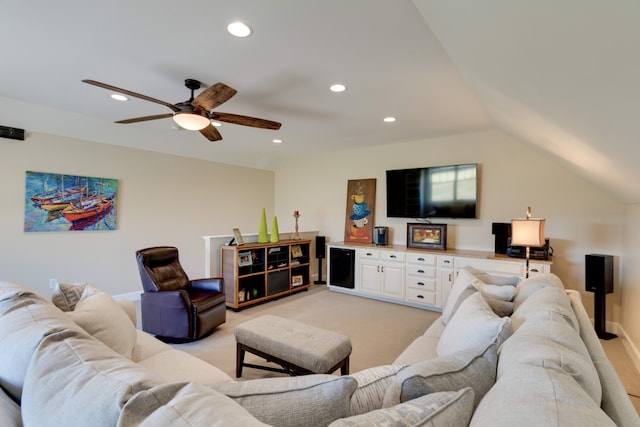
(527, 232)
(191, 121)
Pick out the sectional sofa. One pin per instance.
(502, 354)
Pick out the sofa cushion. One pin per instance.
(500, 308)
(537, 396)
(102, 317)
(443, 409)
(74, 379)
(174, 365)
(473, 325)
(534, 283)
(548, 302)
(184, 405)
(461, 285)
(9, 411)
(25, 319)
(309, 400)
(475, 368)
(372, 386)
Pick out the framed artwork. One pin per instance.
(427, 236)
(361, 202)
(58, 202)
(244, 259)
(296, 281)
(296, 251)
(238, 236)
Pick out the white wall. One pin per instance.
(630, 318)
(163, 200)
(581, 219)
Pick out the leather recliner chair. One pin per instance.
(174, 307)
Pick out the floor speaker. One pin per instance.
(320, 247)
(321, 253)
(599, 280)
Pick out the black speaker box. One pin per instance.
(502, 231)
(599, 273)
(320, 247)
(12, 133)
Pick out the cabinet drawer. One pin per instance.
(420, 296)
(425, 259)
(421, 284)
(392, 256)
(368, 254)
(446, 261)
(421, 271)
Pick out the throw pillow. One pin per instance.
(475, 368)
(372, 386)
(473, 325)
(504, 293)
(310, 400)
(493, 279)
(65, 297)
(460, 284)
(500, 308)
(443, 409)
(100, 315)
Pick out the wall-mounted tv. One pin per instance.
(433, 192)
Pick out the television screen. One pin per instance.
(433, 192)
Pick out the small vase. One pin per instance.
(262, 231)
(275, 234)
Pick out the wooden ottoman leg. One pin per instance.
(239, 359)
(344, 370)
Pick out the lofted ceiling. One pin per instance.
(559, 75)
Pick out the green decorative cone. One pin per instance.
(275, 234)
(262, 231)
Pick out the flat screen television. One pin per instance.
(433, 192)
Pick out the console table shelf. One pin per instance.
(255, 273)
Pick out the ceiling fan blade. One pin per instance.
(211, 133)
(128, 92)
(213, 96)
(237, 119)
(145, 118)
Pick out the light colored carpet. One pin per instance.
(379, 331)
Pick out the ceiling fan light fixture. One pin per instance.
(191, 121)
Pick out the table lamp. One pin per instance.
(527, 232)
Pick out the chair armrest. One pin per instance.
(169, 299)
(211, 284)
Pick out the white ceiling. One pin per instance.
(560, 75)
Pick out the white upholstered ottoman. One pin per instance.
(300, 349)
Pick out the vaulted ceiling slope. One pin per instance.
(561, 75)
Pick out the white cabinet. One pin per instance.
(424, 278)
(381, 272)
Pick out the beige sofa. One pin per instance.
(82, 362)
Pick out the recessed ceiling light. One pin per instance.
(216, 124)
(338, 87)
(277, 141)
(389, 119)
(239, 29)
(119, 97)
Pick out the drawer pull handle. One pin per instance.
(446, 261)
(420, 284)
(369, 254)
(420, 296)
(392, 256)
(420, 271)
(420, 259)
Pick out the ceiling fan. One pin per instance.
(195, 113)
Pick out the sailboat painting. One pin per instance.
(58, 202)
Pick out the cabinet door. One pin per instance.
(446, 282)
(369, 280)
(393, 280)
